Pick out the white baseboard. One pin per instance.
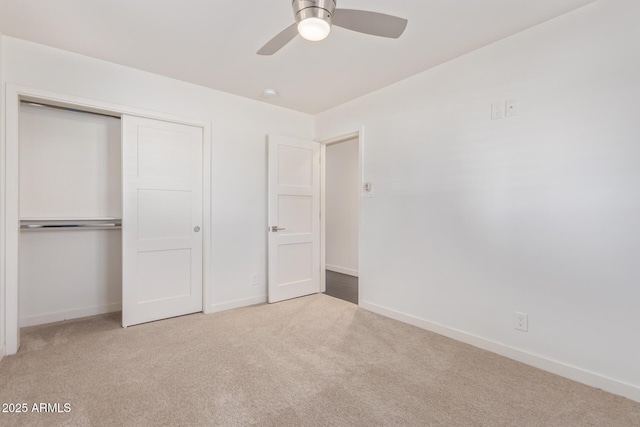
(2, 353)
(69, 314)
(244, 302)
(342, 270)
(574, 373)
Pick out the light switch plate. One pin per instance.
(368, 189)
(496, 111)
(511, 107)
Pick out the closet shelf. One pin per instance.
(33, 224)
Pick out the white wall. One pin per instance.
(239, 127)
(69, 274)
(69, 164)
(342, 191)
(475, 219)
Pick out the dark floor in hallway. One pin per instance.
(342, 286)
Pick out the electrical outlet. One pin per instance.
(255, 280)
(522, 322)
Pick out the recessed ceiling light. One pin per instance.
(270, 93)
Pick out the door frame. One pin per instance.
(9, 193)
(357, 134)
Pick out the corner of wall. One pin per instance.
(2, 204)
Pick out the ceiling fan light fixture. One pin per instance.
(314, 19)
(314, 29)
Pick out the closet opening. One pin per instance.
(104, 213)
(70, 212)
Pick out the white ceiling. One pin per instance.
(213, 42)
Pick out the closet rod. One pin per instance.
(34, 225)
(57, 107)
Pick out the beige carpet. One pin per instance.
(313, 361)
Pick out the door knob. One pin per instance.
(275, 228)
(196, 228)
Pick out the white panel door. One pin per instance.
(161, 221)
(294, 218)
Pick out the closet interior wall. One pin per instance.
(70, 169)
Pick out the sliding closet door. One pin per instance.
(162, 220)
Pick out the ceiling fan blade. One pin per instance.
(376, 24)
(279, 41)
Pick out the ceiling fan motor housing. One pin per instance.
(322, 9)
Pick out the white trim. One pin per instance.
(342, 270)
(9, 191)
(2, 200)
(207, 218)
(239, 303)
(323, 216)
(69, 314)
(10, 226)
(341, 138)
(359, 134)
(18, 92)
(2, 353)
(571, 372)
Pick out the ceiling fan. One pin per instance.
(315, 17)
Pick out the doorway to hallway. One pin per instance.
(342, 203)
